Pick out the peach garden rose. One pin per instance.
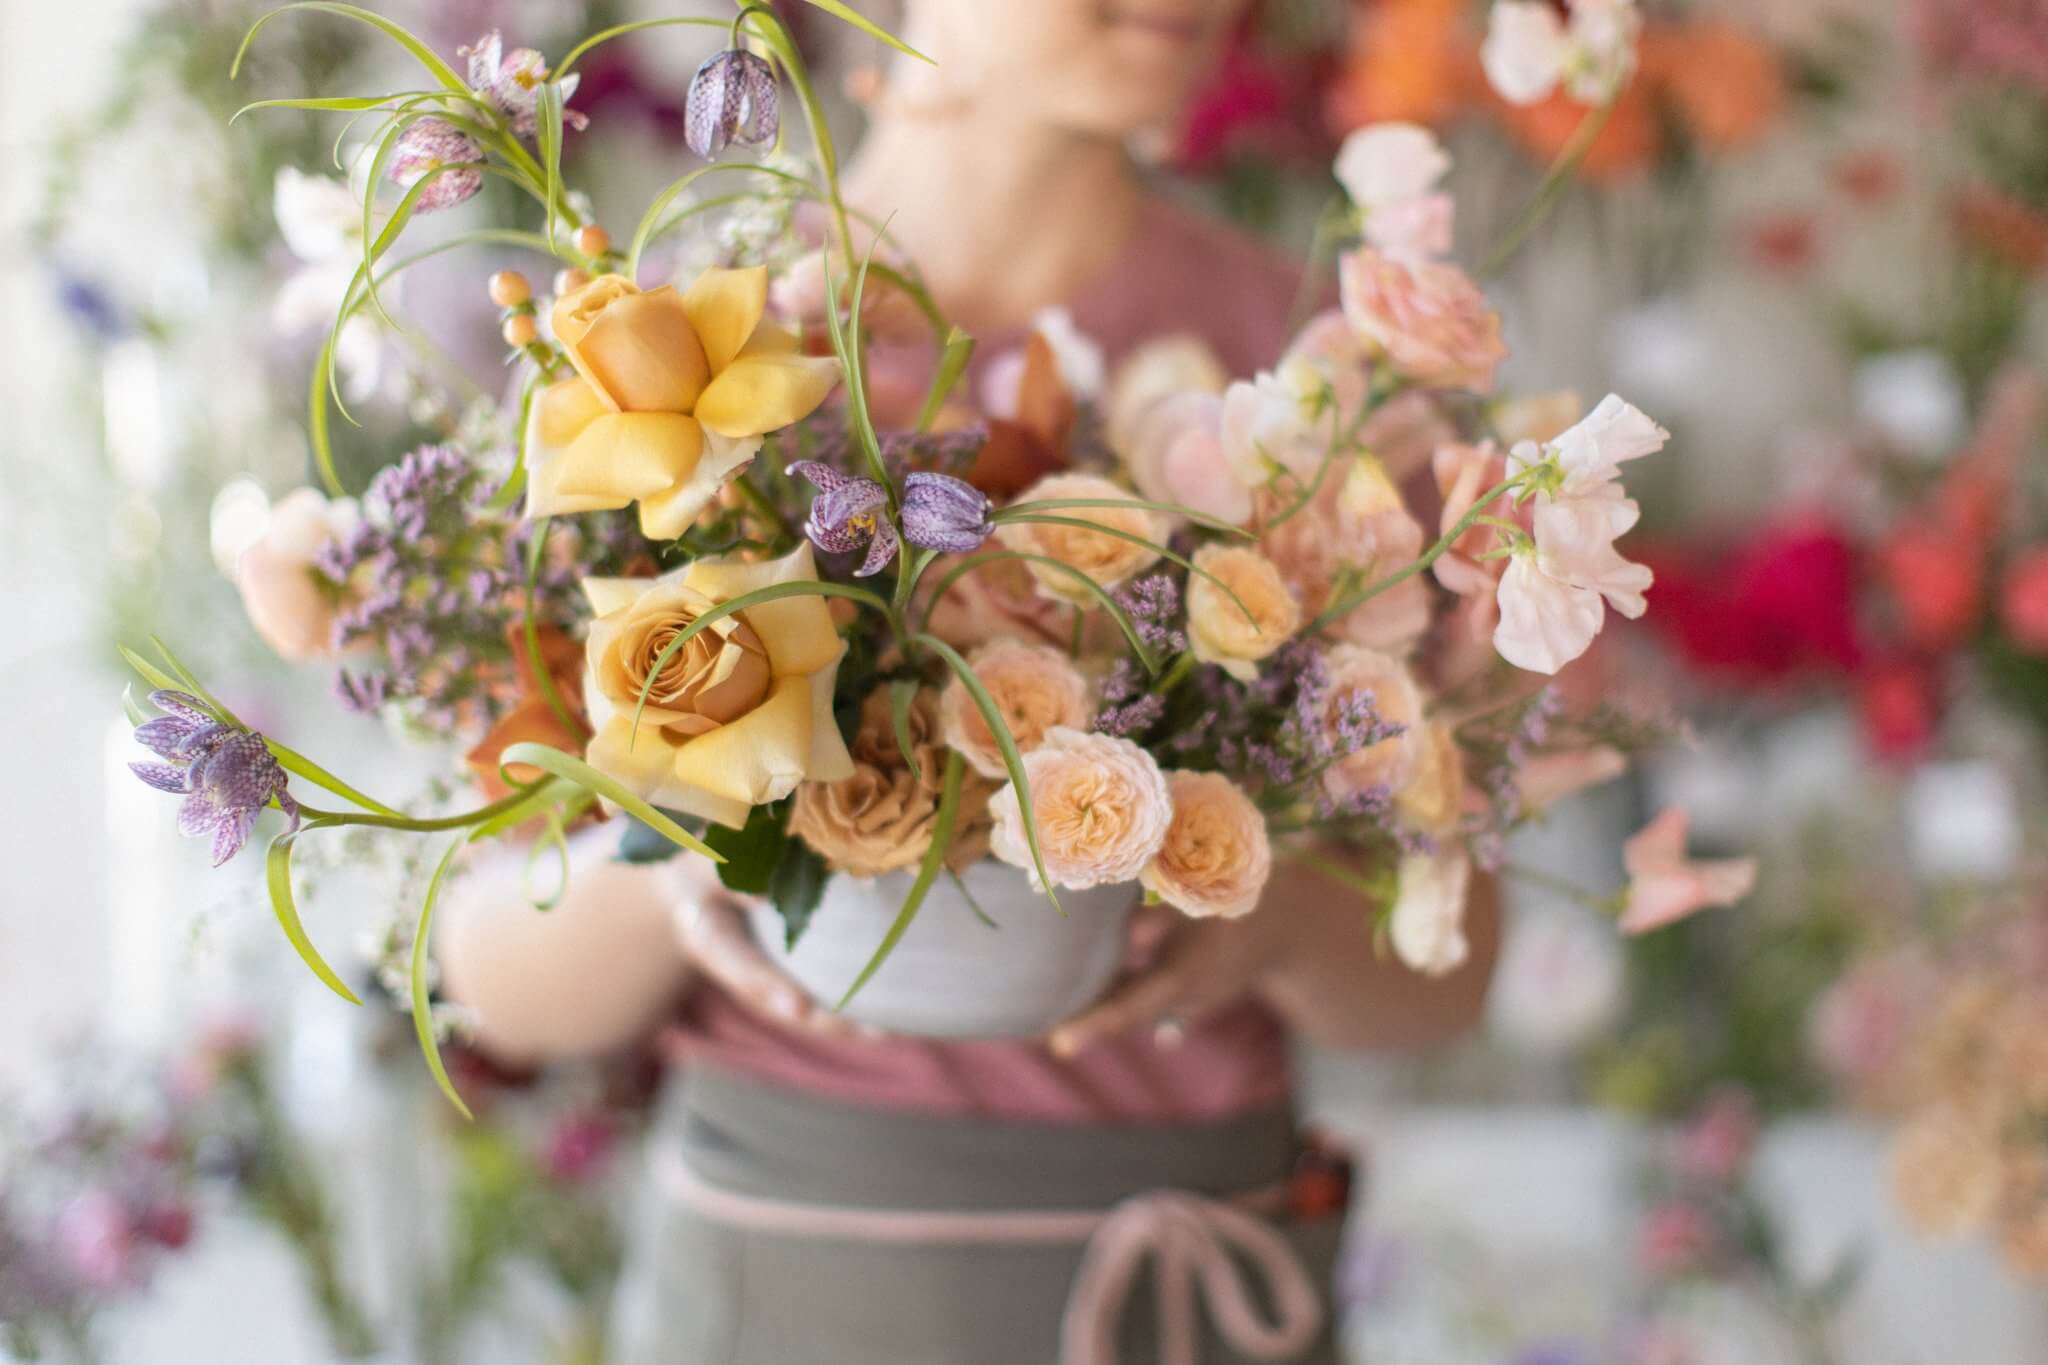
(1391, 763)
(1035, 687)
(1102, 807)
(1427, 318)
(1216, 857)
(1235, 634)
(1107, 559)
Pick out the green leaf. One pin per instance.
(1103, 596)
(846, 346)
(752, 851)
(151, 674)
(902, 693)
(798, 886)
(192, 684)
(577, 52)
(133, 709)
(641, 843)
(535, 800)
(1020, 511)
(515, 482)
(967, 899)
(422, 1007)
(927, 873)
(839, 10)
(953, 358)
(1153, 545)
(438, 69)
(331, 104)
(1013, 761)
(556, 838)
(278, 875)
(573, 769)
(549, 136)
(809, 587)
(297, 763)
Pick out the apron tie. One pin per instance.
(1190, 1242)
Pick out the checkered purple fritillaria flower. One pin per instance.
(227, 776)
(424, 148)
(732, 98)
(511, 82)
(851, 514)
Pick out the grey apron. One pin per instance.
(710, 1281)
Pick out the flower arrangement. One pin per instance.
(1163, 649)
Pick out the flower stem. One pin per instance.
(1546, 193)
(1345, 604)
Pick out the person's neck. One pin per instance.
(1001, 221)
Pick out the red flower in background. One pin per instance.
(1777, 607)
(2023, 604)
(1935, 578)
(1899, 706)
(1266, 95)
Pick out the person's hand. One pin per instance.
(711, 924)
(1197, 967)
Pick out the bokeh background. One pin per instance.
(1811, 240)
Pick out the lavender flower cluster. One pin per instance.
(433, 579)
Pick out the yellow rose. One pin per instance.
(1219, 631)
(740, 714)
(671, 397)
(1108, 559)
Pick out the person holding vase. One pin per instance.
(820, 1193)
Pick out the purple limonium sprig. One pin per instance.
(1153, 606)
(424, 147)
(732, 98)
(511, 82)
(227, 776)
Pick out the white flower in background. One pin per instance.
(1559, 981)
(1427, 927)
(1915, 400)
(1275, 422)
(1554, 595)
(1962, 822)
(1082, 365)
(1530, 50)
(1391, 171)
(321, 221)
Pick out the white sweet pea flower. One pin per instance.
(1529, 50)
(1554, 596)
(1390, 171)
(1083, 368)
(321, 221)
(1427, 927)
(1275, 420)
(1524, 51)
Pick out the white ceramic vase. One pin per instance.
(954, 975)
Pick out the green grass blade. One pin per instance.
(573, 769)
(536, 551)
(515, 482)
(549, 135)
(133, 709)
(927, 873)
(577, 52)
(1153, 545)
(953, 358)
(645, 231)
(278, 875)
(1018, 510)
(191, 684)
(329, 104)
(151, 674)
(902, 694)
(436, 67)
(1013, 761)
(1103, 596)
(299, 765)
(839, 10)
(422, 1007)
(809, 587)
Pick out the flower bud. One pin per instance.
(732, 99)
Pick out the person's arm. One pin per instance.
(1308, 951)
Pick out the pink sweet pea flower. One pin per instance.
(1665, 886)
(1547, 779)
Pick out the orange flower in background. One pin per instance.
(1936, 580)
(531, 717)
(1627, 144)
(1724, 82)
(1411, 61)
(2003, 226)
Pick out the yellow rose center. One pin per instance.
(718, 675)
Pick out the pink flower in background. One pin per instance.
(1428, 318)
(2023, 601)
(2001, 37)
(1859, 1026)
(1666, 886)
(579, 1147)
(1177, 456)
(1676, 1238)
(1463, 472)
(292, 607)
(96, 1240)
(1390, 171)
(1547, 779)
(1328, 346)
(1716, 1142)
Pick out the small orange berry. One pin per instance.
(592, 240)
(520, 329)
(509, 289)
(569, 281)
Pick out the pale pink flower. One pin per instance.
(1428, 318)
(1077, 356)
(1153, 373)
(1524, 50)
(1714, 1143)
(1391, 170)
(290, 605)
(1177, 456)
(1339, 358)
(1665, 886)
(1102, 806)
(1592, 450)
(1859, 1028)
(1463, 472)
(1276, 423)
(1427, 927)
(1405, 431)
(1676, 1238)
(1553, 599)
(1420, 227)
